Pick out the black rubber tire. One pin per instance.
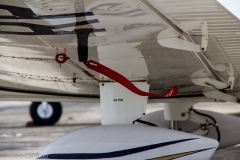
(57, 112)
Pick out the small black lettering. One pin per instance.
(118, 100)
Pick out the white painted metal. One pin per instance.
(228, 125)
(202, 78)
(125, 59)
(99, 140)
(170, 39)
(216, 67)
(121, 106)
(196, 119)
(167, 33)
(231, 78)
(177, 43)
(175, 111)
(220, 96)
(204, 43)
(131, 26)
(118, 104)
(209, 82)
(222, 25)
(205, 125)
(187, 26)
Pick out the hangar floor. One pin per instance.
(24, 143)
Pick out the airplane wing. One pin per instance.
(192, 45)
(163, 50)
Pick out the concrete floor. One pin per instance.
(24, 143)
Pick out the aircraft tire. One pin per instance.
(45, 113)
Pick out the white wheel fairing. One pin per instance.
(45, 110)
(228, 137)
(130, 142)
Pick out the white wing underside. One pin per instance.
(131, 26)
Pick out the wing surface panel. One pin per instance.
(116, 23)
(223, 27)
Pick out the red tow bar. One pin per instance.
(124, 81)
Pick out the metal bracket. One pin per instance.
(231, 77)
(205, 126)
(175, 112)
(202, 122)
(221, 68)
(201, 78)
(204, 43)
(168, 38)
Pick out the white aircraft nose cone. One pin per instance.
(123, 142)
